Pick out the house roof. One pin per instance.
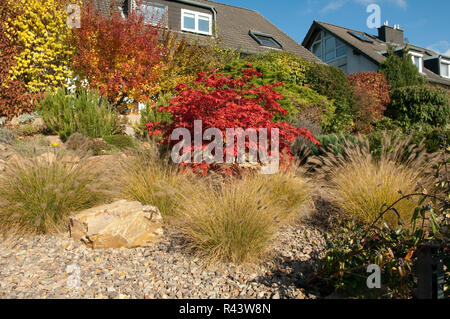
(233, 26)
(375, 50)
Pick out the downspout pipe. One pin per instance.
(205, 6)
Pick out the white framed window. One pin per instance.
(417, 59)
(445, 69)
(197, 22)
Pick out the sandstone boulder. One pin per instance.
(39, 124)
(120, 224)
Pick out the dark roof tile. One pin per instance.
(234, 24)
(375, 50)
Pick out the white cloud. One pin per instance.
(400, 3)
(334, 5)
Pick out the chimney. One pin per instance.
(390, 34)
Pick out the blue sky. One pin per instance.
(426, 23)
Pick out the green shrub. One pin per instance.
(37, 193)
(27, 129)
(331, 81)
(120, 142)
(85, 112)
(335, 144)
(432, 136)
(400, 71)
(150, 113)
(299, 100)
(386, 124)
(419, 104)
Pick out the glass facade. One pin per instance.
(330, 49)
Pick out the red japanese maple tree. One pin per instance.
(119, 56)
(225, 102)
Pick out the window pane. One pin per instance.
(153, 14)
(266, 41)
(330, 56)
(341, 51)
(318, 37)
(339, 42)
(189, 21)
(317, 49)
(416, 61)
(329, 44)
(203, 24)
(444, 70)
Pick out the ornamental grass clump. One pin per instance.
(288, 190)
(232, 224)
(363, 185)
(235, 222)
(39, 192)
(152, 180)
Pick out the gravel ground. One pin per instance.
(48, 267)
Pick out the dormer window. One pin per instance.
(445, 69)
(417, 59)
(265, 40)
(196, 22)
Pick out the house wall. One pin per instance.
(351, 62)
(358, 62)
(433, 65)
(174, 9)
(174, 12)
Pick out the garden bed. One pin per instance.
(35, 267)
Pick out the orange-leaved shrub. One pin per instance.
(371, 94)
(118, 56)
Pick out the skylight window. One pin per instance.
(265, 40)
(360, 37)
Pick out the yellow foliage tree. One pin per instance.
(42, 33)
